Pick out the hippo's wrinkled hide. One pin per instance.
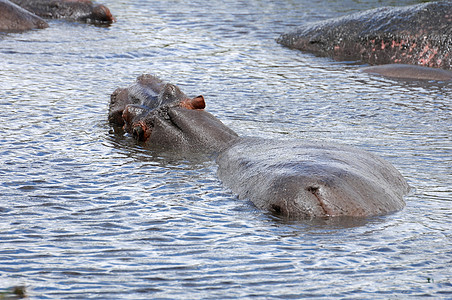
(419, 35)
(156, 113)
(410, 72)
(291, 178)
(304, 179)
(74, 10)
(16, 19)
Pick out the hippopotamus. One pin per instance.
(293, 179)
(73, 10)
(14, 18)
(417, 35)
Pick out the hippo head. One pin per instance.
(162, 116)
(101, 14)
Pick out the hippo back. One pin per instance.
(76, 10)
(409, 72)
(418, 34)
(305, 180)
(16, 19)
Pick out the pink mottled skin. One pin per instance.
(427, 57)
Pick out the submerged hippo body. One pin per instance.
(418, 35)
(409, 72)
(293, 179)
(74, 10)
(14, 18)
(298, 179)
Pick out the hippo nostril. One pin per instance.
(138, 133)
(276, 208)
(313, 189)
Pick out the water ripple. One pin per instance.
(89, 214)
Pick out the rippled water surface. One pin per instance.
(85, 213)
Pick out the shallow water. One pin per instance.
(89, 214)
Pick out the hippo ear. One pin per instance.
(198, 102)
(195, 103)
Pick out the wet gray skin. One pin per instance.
(409, 72)
(418, 35)
(298, 179)
(16, 19)
(81, 10)
(293, 179)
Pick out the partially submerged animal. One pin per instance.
(23, 15)
(418, 35)
(14, 18)
(295, 179)
(409, 72)
(74, 10)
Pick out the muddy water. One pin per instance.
(85, 213)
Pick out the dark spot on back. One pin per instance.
(276, 208)
(312, 189)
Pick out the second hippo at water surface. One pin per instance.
(418, 35)
(23, 15)
(410, 72)
(14, 18)
(73, 10)
(295, 179)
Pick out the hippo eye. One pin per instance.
(170, 93)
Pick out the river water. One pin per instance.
(85, 213)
